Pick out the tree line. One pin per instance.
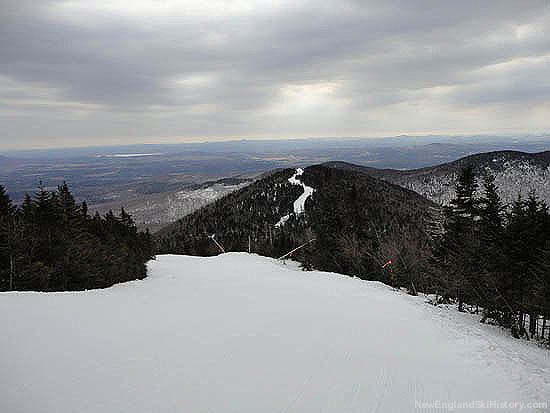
(52, 243)
(495, 256)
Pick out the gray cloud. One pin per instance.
(71, 72)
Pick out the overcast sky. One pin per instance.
(91, 72)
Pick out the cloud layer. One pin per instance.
(94, 72)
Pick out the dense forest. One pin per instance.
(51, 243)
(360, 223)
(495, 256)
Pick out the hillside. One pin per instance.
(240, 333)
(357, 221)
(515, 172)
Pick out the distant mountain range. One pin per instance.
(515, 172)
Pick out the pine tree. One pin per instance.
(491, 220)
(46, 221)
(491, 226)
(457, 253)
(6, 240)
(524, 238)
(541, 274)
(465, 204)
(67, 208)
(6, 206)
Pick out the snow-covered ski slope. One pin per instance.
(299, 204)
(242, 333)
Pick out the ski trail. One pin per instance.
(299, 204)
(238, 332)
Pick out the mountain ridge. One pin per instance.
(515, 173)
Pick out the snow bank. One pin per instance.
(241, 333)
(299, 204)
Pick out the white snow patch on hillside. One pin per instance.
(514, 178)
(299, 204)
(171, 207)
(241, 333)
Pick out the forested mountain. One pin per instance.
(51, 243)
(514, 172)
(359, 223)
(478, 251)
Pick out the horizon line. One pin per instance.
(193, 141)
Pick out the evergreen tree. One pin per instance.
(525, 232)
(541, 302)
(6, 207)
(465, 204)
(51, 244)
(457, 253)
(491, 221)
(6, 240)
(491, 227)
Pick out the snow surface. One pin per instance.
(242, 333)
(299, 204)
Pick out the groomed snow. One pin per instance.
(299, 204)
(242, 333)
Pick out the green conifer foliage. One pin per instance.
(50, 243)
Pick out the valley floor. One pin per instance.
(243, 333)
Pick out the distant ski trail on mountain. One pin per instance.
(299, 204)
